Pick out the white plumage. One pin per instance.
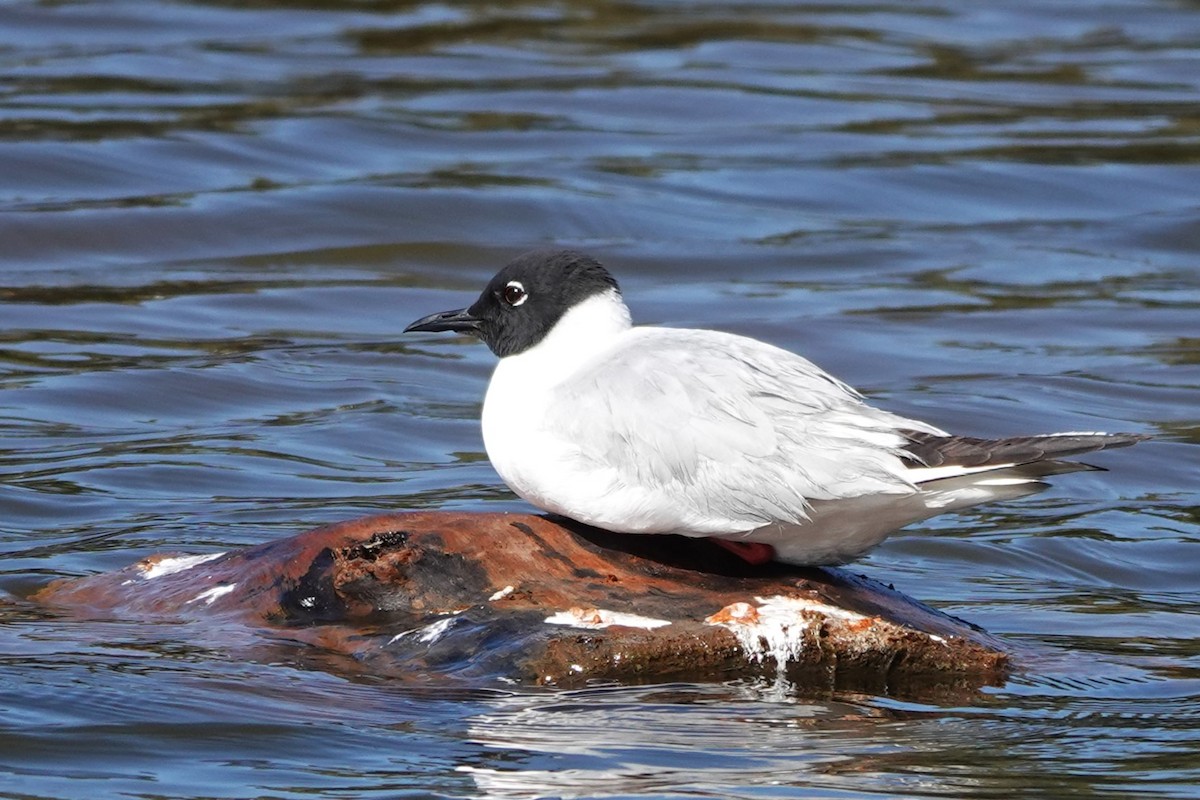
(704, 433)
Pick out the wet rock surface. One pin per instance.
(541, 601)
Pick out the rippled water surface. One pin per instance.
(216, 218)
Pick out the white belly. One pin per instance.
(521, 451)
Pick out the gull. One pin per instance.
(639, 429)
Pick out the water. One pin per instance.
(216, 218)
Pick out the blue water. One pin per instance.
(217, 218)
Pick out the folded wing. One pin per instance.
(736, 433)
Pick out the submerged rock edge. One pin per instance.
(570, 604)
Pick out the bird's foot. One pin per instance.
(753, 553)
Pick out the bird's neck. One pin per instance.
(585, 330)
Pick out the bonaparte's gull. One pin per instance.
(704, 433)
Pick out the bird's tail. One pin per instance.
(936, 458)
(951, 473)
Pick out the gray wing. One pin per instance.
(733, 428)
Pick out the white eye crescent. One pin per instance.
(514, 293)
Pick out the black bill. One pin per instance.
(460, 320)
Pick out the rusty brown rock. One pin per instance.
(548, 601)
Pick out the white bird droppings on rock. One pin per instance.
(503, 593)
(597, 618)
(158, 567)
(429, 633)
(209, 595)
(775, 628)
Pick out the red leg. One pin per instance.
(755, 553)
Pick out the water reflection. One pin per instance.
(744, 740)
(640, 742)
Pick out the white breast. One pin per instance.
(527, 456)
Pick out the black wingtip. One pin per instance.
(931, 450)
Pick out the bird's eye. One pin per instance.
(514, 293)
